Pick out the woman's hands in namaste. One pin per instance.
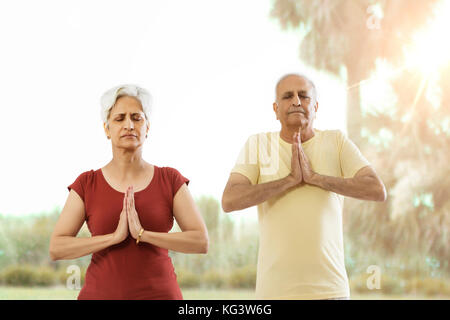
(134, 225)
(129, 219)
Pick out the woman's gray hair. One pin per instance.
(110, 97)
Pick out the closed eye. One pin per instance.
(135, 119)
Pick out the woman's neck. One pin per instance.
(127, 164)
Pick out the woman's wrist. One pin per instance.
(112, 239)
(139, 236)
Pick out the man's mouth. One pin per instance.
(297, 111)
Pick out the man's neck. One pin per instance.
(287, 134)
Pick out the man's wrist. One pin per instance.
(315, 179)
(291, 181)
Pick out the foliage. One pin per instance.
(215, 279)
(232, 256)
(27, 275)
(414, 223)
(187, 278)
(243, 277)
(226, 251)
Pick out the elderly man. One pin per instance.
(297, 177)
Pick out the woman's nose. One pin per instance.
(129, 123)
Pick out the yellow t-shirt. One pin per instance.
(301, 251)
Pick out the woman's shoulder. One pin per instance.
(171, 174)
(172, 178)
(87, 176)
(167, 171)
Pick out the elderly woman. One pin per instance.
(129, 206)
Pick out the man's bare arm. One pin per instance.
(365, 185)
(240, 194)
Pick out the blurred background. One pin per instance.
(382, 70)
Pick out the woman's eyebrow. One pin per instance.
(133, 114)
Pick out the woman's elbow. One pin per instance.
(204, 244)
(52, 253)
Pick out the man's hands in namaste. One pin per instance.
(129, 219)
(301, 170)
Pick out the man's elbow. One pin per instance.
(381, 194)
(226, 205)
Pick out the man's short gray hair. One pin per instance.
(109, 98)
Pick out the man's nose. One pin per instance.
(297, 101)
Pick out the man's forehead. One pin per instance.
(294, 83)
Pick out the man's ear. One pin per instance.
(275, 109)
(315, 109)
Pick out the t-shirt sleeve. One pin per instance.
(351, 159)
(177, 180)
(247, 162)
(79, 185)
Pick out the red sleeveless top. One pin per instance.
(127, 270)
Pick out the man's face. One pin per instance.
(296, 104)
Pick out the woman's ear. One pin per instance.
(106, 129)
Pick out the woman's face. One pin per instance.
(127, 125)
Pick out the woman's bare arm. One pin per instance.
(64, 243)
(193, 237)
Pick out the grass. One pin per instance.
(61, 293)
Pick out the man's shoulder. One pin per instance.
(331, 134)
(264, 135)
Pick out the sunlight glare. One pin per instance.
(429, 51)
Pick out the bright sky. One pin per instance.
(211, 67)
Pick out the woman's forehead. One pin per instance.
(127, 104)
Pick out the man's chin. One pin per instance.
(300, 123)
